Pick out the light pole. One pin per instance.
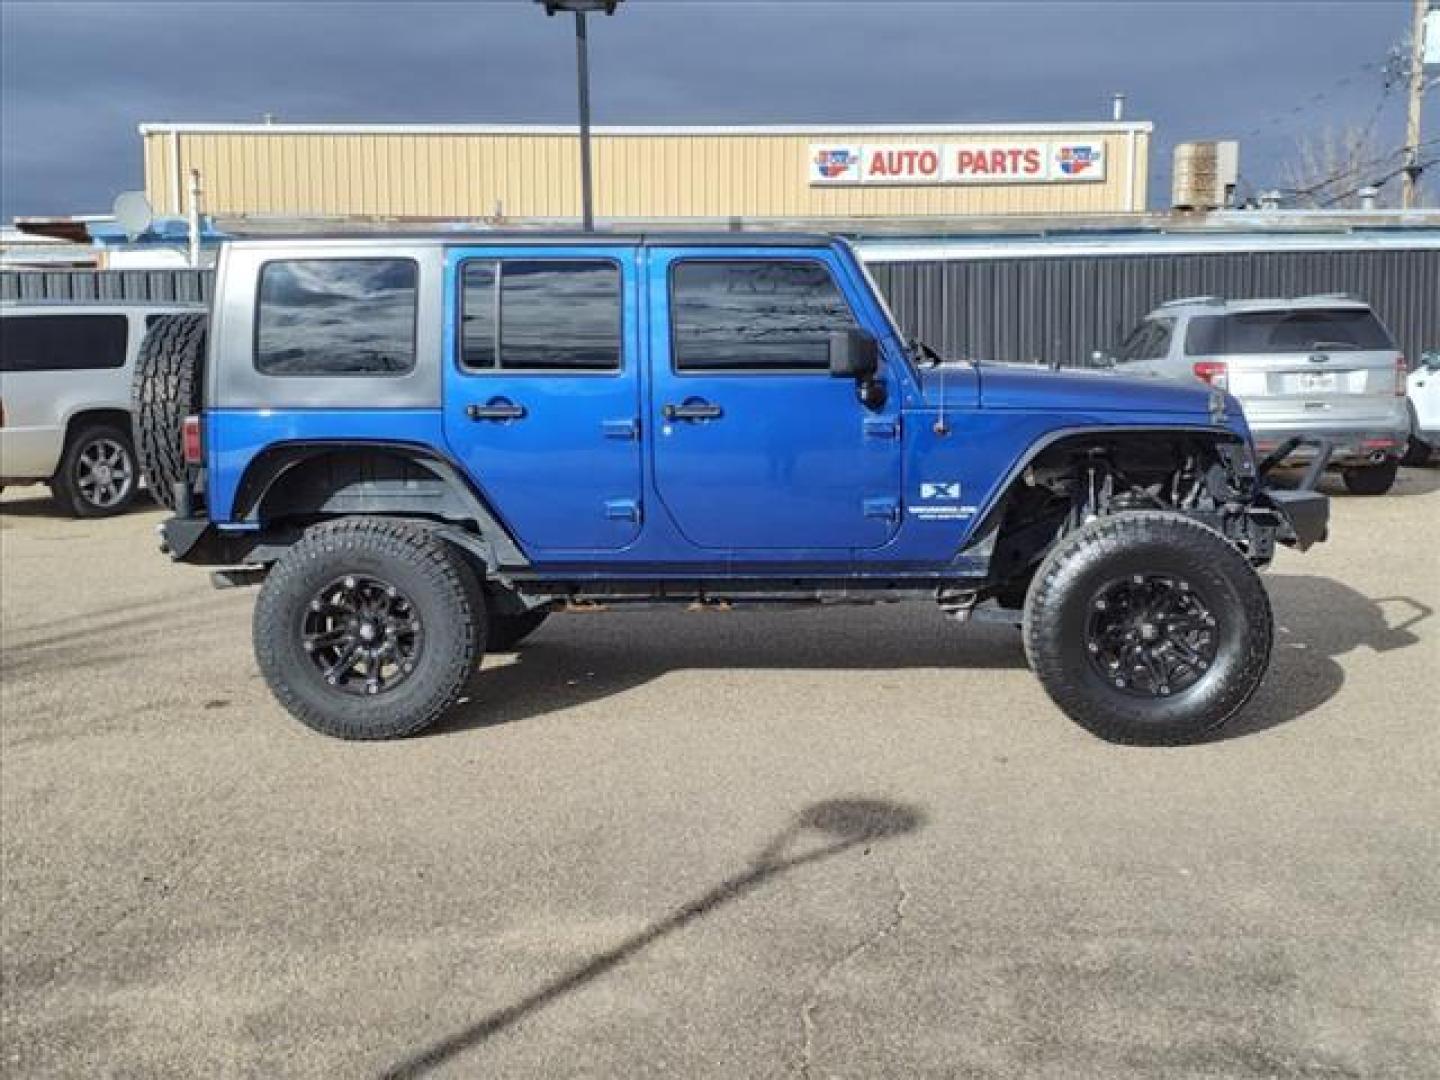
(581, 8)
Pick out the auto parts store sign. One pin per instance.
(956, 163)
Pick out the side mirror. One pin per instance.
(1100, 359)
(1430, 359)
(855, 355)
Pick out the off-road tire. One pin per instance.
(507, 631)
(1079, 568)
(447, 600)
(68, 485)
(169, 385)
(1371, 479)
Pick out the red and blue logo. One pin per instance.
(1077, 160)
(833, 164)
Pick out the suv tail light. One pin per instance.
(1214, 372)
(190, 438)
(1402, 373)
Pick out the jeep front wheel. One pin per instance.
(369, 628)
(1148, 628)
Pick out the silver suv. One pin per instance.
(65, 376)
(1317, 366)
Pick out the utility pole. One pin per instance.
(1417, 96)
(582, 68)
(581, 8)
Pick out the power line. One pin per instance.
(1349, 170)
(1419, 167)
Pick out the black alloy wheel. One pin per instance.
(1150, 635)
(363, 634)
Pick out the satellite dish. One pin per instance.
(133, 213)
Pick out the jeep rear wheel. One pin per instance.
(1148, 628)
(369, 628)
(168, 387)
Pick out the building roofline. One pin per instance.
(817, 130)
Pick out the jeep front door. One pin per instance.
(542, 391)
(756, 447)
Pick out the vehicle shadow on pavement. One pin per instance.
(575, 659)
(821, 831)
(1317, 621)
(38, 503)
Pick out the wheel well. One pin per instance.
(298, 485)
(1080, 475)
(94, 418)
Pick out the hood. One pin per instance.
(1017, 386)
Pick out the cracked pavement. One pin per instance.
(843, 843)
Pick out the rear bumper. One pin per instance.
(1366, 444)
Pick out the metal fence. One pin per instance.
(142, 286)
(1060, 309)
(1028, 310)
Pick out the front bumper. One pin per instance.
(1349, 445)
(1302, 514)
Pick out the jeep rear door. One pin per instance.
(542, 390)
(755, 446)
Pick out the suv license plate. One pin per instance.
(1316, 382)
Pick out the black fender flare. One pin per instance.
(456, 501)
(981, 538)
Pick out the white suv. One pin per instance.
(65, 373)
(1424, 394)
(1321, 367)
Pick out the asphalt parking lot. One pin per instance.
(851, 843)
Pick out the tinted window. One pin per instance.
(62, 342)
(549, 315)
(1149, 341)
(1287, 331)
(336, 317)
(755, 315)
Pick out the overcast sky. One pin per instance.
(77, 78)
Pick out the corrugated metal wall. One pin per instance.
(263, 172)
(1044, 309)
(82, 285)
(1024, 310)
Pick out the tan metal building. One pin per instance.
(519, 173)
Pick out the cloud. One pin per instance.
(75, 79)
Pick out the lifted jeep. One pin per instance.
(423, 445)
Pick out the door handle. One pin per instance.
(693, 409)
(496, 409)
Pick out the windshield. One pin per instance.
(1287, 331)
(880, 300)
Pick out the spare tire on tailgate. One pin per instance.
(169, 386)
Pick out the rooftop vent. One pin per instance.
(1205, 175)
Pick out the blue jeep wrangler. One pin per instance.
(422, 445)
